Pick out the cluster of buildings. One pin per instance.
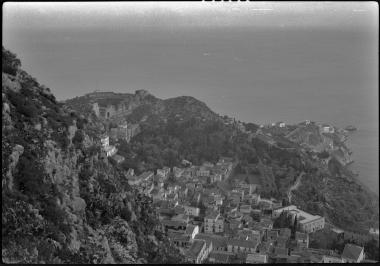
(209, 224)
(108, 149)
(124, 131)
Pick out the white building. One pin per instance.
(308, 223)
(105, 140)
(214, 223)
(328, 129)
(164, 172)
(197, 252)
(191, 210)
(110, 150)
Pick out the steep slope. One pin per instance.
(61, 201)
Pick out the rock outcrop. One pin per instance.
(61, 202)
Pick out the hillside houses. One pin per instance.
(234, 226)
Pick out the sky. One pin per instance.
(202, 49)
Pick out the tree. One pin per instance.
(294, 228)
(371, 248)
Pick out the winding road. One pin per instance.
(295, 186)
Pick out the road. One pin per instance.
(295, 186)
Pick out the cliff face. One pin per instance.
(61, 201)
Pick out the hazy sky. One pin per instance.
(211, 50)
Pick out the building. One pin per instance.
(219, 243)
(236, 196)
(170, 225)
(178, 171)
(216, 178)
(132, 130)
(192, 210)
(302, 240)
(248, 234)
(164, 172)
(327, 129)
(192, 230)
(134, 180)
(113, 133)
(179, 239)
(146, 175)
(308, 223)
(352, 253)
(257, 258)
(110, 150)
(203, 171)
(241, 246)
(221, 257)
(197, 252)
(245, 209)
(105, 141)
(218, 200)
(214, 223)
(118, 158)
(122, 131)
(331, 259)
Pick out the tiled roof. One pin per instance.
(173, 223)
(242, 243)
(195, 248)
(217, 241)
(280, 251)
(262, 258)
(190, 229)
(221, 257)
(352, 251)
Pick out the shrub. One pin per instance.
(10, 63)
(126, 214)
(78, 138)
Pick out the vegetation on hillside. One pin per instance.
(62, 202)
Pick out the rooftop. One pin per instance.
(304, 216)
(190, 229)
(262, 258)
(146, 174)
(352, 251)
(195, 248)
(217, 241)
(222, 257)
(242, 243)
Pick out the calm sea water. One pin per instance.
(255, 75)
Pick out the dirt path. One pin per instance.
(295, 186)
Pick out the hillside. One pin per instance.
(57, 188)
(61, 201)
(272, 157)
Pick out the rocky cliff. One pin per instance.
(61, 201)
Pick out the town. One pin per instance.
(212, 223)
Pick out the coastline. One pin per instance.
(356, 141)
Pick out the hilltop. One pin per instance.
(139, 106)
